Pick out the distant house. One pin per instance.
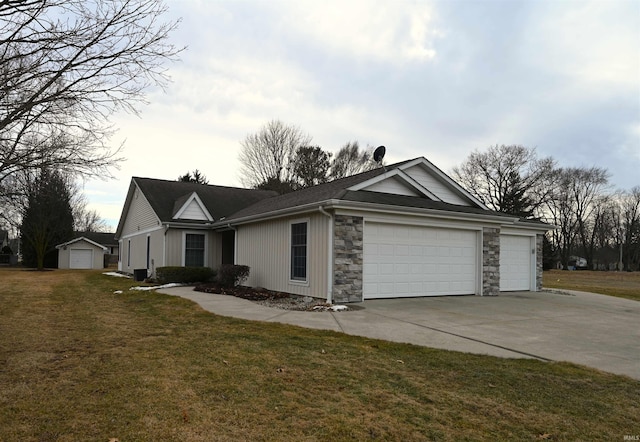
(10, 258)
(88, 250)
(4, 239)
(402, 231)
(81, 253)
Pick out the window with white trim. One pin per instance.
(194, 244)
(299, 251)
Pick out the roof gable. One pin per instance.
(188, 202)
(191, 208)
(81, 239)
(439, 183)
(396, 182)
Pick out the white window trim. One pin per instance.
(301, 282)
(206, 245)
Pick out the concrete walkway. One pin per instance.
(599, 331)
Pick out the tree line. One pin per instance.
(281, 157)
(592, 220)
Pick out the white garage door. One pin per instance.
(515, 263)
(80, 259)
(405, 261)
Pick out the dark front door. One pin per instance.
(228, 246)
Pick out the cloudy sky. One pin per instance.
(437, 79)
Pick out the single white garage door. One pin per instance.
(407, 261)
(80, 259)
(515, 263)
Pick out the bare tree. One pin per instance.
(351, 160)
(65, 67)
(510, 179)
(84, 219)
(630, 229)
(577, 209)
(268, 154)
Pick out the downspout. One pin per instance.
(329, 255)
(235, 242)
(164, 245)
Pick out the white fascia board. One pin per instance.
(289, 211)
(193, 226)
(448, 180)
(142, 232)
(82, 238)
(398, 174)
(194, 197)
(334, 204)
(539, 227)
(383, 208)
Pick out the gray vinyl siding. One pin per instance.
(265, 248)
(434, 185)
(140, 216)
(175, 247)
(392, 185)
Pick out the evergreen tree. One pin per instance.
(47, 219)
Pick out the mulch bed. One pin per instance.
(269, 298)
(250, 293)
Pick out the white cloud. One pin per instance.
(386, 31)
(595, 43)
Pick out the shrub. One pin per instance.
(232, 275)
(7, 250)
(184, 275)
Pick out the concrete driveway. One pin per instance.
(599, 331)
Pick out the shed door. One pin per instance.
(515, 263)
(407, 261)
(81, 259)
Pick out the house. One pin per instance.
(107, 240)
(81, 253)
(402, 230)
(88, 250)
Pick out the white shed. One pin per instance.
(81, 253)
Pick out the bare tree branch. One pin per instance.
(66, 67)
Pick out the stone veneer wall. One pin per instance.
(539, 257)
(347, 258)
(490, 261)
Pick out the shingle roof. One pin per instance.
(106, 239)
(364, 196)
(220, 201)
(322, 192)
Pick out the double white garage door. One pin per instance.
(411, 261)
(407, 261)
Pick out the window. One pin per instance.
(299, 251)
(194, 250)
(128, 253)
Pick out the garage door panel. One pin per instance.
(80, 259)
(426, 261)
(515, 262)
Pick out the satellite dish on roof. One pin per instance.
(378, 154)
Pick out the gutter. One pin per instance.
(329, 255)
(380, 208)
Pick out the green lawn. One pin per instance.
(80, 363)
